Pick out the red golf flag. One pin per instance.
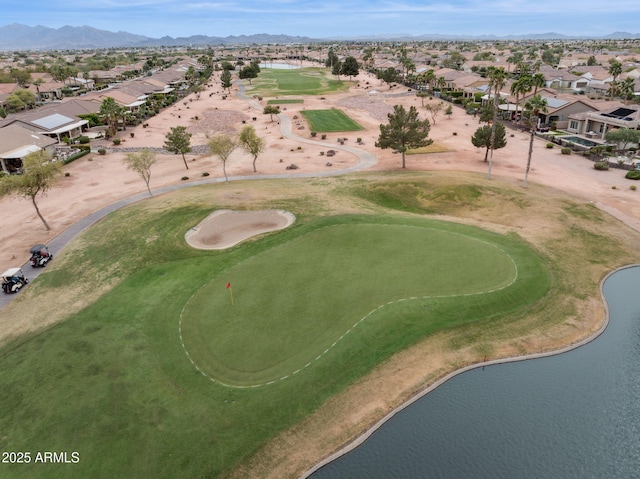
(229, 285)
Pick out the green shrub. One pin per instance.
(102, 151)
(632, 187)
(205, 174)
(116, 141)
(184, 178)
(83, 140)
(601, 165)
(77, 155)
(549, 145)
(565, 151)
(313, 134)
(633, 175)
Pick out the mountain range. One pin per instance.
(23, 37)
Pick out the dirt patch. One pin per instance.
(226, 228)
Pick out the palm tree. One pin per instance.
(534, 106)
(430, 78)
(523, 68)
(521, 86)
(537, 81)
(615, 70)
(111, 113)
(627, 89)
(498, 77)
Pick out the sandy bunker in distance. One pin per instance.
(226, 228)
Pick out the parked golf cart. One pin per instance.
(13, 280)
(40, 255)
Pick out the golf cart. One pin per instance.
(40, 255)
(13, 280)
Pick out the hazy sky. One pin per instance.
(330, 18)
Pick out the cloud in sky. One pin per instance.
(157, 18)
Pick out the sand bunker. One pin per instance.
(225, 228)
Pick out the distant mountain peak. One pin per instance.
(17, 36)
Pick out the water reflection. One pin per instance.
(279, 66)
(575, 415)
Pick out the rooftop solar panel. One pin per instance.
(52, 121)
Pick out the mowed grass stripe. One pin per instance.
(294, 301)
(113, 382)
(303, 81)
(332, 120)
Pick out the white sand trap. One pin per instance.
(226, 228)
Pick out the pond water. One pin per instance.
(574, 415)
(279, 66)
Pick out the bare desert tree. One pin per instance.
(141, 163)
(222, 146)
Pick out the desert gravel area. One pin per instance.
(95, 181)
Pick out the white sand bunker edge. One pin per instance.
(226, 228)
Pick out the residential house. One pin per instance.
(47, 90)
(563, 80)
(471, 84)
(635, 73)
(82, 84)
(472, 66)
(174, 77)
(104, 77)
(56, 120)
(596, 74)
(596, 124)
(7, 89)
(129, 100)
(16, 142)
(560, 106)
(385, 64)
(598, 89)
(450, 76)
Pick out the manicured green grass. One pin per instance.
(284, 102)
(327, 121)
(113, 382)
(303, 81)
(282, 319)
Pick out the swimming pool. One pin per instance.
(579, 141)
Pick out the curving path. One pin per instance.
(367, 160)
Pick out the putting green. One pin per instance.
(294, 302)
